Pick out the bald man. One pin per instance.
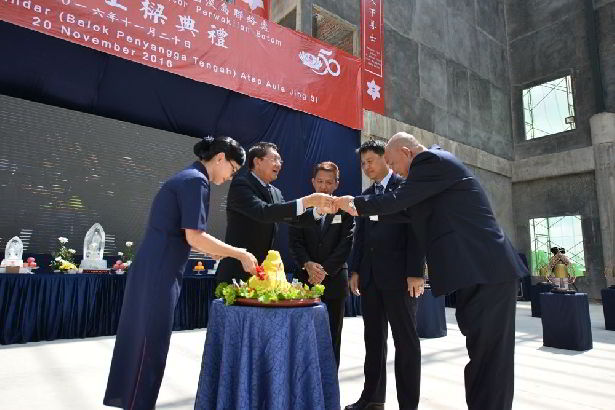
(466, 251)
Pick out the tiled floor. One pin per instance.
(71, 374)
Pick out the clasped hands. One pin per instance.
(316, 272)
(327, 204)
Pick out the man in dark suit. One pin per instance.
(322, 251)
(254, 208)
(466, 250)
(387, 264)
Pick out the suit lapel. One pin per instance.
(260, 188)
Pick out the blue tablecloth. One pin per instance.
(608, 307)
(269, 359)
(430, 316)
(61, 306)
(565, 321)
(536, 290)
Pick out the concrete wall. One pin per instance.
(445, 66)
(547, 40)
(605, 23)
(567, 195)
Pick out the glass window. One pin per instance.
(548, 108)
(562, 232)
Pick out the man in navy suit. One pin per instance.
(321, 252)
(254, 208)
(387, 266)
(466, 251)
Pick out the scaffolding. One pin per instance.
(549, 95)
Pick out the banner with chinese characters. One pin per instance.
(211, 41)
(258, 7)
(372, 46)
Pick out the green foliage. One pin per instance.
(229, 293)
(539, 259)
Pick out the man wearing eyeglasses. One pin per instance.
(254, 208)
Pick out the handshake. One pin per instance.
(327, 204)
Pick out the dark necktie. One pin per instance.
(270, 190)
(379, 189)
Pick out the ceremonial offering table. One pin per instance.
(608, 307)
(430, 315)
(268, 358)
(536, 290)
(59, 306)
(565, 321)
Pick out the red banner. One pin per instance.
(210, 41)
(258, 7)
(372, 44)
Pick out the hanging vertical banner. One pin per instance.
(211, 41)
(372, 44)
(258, 7)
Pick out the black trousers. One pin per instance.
(335, 307)
(486, 317)
(399, 309)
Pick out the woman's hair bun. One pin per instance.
(202, 147)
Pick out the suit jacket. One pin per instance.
(453, 220)
(386, 254)
(253, 214)
(329, 246)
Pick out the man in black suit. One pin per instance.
(322, 251)
(387, 264)
(254, 208)
(467, 252)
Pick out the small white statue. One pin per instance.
(93, 248)
(13, 253)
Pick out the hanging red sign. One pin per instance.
(258, 7)
(211, 41)
(372, 45)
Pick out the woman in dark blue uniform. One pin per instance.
(176, 223)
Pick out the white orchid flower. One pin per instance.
(72, 251)
(129, 244)
(58, 259)
(120, 253)
(63, 239)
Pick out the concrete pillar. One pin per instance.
(603, 141)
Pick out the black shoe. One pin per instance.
(363, 404)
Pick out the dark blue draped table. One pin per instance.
(608, 307)
(565, 321)
(61, 306)
(430, 316)
(536, 290)
(353, 306)
(268, 358)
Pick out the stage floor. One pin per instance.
(72, 374)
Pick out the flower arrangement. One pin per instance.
(125, 257)
(128, 253)
(64, 257)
